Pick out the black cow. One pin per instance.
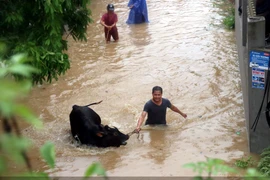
(86, 128)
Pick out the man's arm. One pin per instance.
(113, 25)
(115, 20)
(140, 121)
(175, 109)
(103, 23)
(109, 27)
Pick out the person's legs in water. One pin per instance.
(107, 35)
(114, 34)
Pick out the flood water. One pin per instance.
(185, 50)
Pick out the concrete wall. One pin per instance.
(240, 32)
(250, 36)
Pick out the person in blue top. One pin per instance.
(138, 12)
(156, 108)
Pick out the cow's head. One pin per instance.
(113, 137)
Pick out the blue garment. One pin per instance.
(138, 13)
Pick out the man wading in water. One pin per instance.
(156, 109)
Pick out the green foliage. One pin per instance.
(12, 91)
(245, 163)
(228, 12)
(48, 153)
(36, 27)
(253, 174)
(95, 169)
(211, 167)
(32, 176)
(13, 146)
(216, 167)
(229, 20)
(264, 162)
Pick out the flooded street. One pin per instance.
(185, 50)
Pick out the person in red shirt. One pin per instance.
(109, 20)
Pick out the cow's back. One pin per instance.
(84, 123)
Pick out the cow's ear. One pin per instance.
(99, 134)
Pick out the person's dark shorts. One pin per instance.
(113, 33)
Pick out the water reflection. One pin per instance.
(139, 34)
(109, 51)
(110, 159)
(159, 145)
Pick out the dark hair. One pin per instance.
(157, 88)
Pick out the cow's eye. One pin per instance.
(115, 134)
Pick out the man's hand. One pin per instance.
(184, 115)
(137, 130)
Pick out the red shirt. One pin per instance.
(110, 19)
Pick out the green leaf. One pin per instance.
(48, 153)
(213, 161)
(28, 116)
(198, 178)
(189, 165)
(19, 58)
(14, 146)
(3, 48)
(211, 166)
(11, 90)
(266, 152)
(47, 42)
(3, 165)
(3, 72)
(32, 176)
(252, 172)
(6, 108)
(94, 169)
(22, 69)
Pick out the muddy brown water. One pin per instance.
(186, 50)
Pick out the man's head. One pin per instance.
(157, 93)
(157, 88)
(110, 7)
